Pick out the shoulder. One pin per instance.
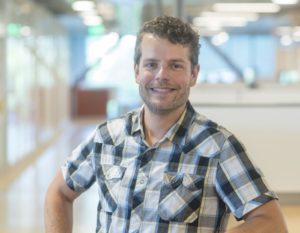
(223, 140)
(207, 136)
(203, 125)
(113, 130)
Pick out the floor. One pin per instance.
(21, 203)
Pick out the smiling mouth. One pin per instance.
(162, 89)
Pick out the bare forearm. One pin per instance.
(265, 219)
(259, 226)
(58, 215)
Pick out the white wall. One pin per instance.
(266, 120)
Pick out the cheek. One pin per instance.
(146, 76)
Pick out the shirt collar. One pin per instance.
(137, 121)
(179, 130)
(176, 133)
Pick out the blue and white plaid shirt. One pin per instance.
(187, 182)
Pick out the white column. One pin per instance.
(2, 86)
(179, 10)
(159, 8)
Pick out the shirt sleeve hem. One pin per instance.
(253, 204)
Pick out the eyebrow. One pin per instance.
(150, 59)
(178, 60)
(172, 60)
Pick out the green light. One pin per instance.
(96, 30)
(13, 29)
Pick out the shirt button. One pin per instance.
(142, 181)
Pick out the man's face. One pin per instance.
(164, 74)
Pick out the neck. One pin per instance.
(157, 125)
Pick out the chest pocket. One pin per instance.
(180, 197)
(110, 180)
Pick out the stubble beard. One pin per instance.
(163, 109)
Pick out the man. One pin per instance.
(164, 167)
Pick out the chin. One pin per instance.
(162, 109)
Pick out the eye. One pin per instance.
(151, 65)
(177, 66)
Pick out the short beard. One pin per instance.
(155, 109)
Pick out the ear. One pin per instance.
(136, 73)
(194, 75)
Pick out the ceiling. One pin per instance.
(57, 7)
(289, 15)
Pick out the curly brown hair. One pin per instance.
(172, 29)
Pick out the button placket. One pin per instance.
(141, 181)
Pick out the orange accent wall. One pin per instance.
(91, 103)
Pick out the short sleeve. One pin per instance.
(239, 183)
(78, 171)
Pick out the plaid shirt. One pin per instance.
(187, 182)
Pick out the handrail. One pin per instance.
(81, 78)
(87, 69)
(227, 60)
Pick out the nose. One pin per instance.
(162, 73)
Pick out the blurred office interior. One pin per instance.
(67, 65)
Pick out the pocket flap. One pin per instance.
(113, 172)
(172, 177)
(192, 181)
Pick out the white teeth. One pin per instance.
(162, 90)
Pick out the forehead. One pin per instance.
(155, 47)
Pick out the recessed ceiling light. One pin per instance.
(208, 21)
(286, 40)
(247, 7)
(220, 38)
(250, 16)
(83, 5)
(285, 2)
